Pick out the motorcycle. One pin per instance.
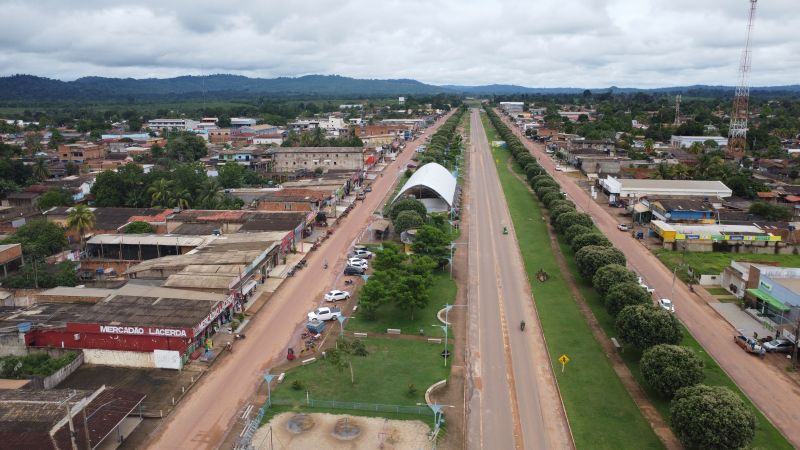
(522, 326)
(505, 230)
(348, 282)
(238, 336)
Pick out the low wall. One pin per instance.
(60, 375)
(711, 280)
(119, 358)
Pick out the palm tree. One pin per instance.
(181, 199)
(80, 218)
(40, 169)
(160, 193)
(209, 196)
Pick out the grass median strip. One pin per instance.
(600, 411)
(767, 436)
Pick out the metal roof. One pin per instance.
(148, 239)
(434, 177)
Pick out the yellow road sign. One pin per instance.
(564, 359)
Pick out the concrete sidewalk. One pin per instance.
(740, 320)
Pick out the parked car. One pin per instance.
(361, 196)
(749, 344)
(350, 270)
(324, 313)
(368, 189)
(361, 253)
(336, 295)
(779, 346)
(623, 227)
(645, 286)
(667, 304)
(358, 262)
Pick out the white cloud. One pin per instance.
(587, 43)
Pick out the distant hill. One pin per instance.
(27, 88)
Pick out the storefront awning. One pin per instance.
(770, 300)
(249, 286)
(640, 208)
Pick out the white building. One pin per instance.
(633, 188)
(512, 107)
(172, 124)
(237, 122)
(687, 141)
(433, 185)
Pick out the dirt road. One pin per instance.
(204, 417)
(514, 401)
(767, 385)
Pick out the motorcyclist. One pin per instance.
(522, 326)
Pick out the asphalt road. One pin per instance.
(775, 393)
(513, 398)
(202, 420)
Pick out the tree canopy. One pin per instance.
(667, 368)
(711, 417)
(609, 275)
(644, 326)
(592, 257)
(623, 294)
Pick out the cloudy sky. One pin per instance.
(542, 43)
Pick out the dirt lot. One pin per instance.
(341, 432)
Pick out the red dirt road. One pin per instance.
(204, 417)
(768, 386)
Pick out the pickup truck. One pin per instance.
(324, 313)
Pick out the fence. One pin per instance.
(423, 410)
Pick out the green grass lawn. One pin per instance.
(713, 263)
(717, 291)
(767, 436)
(601, 412)
(389, 316)
(381, 377)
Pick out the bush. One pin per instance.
(551, 197)
(562, 202)
(590, 238)
(33, 364)
(138, 227)
(574, 231)
(609, 275)
(667, 368)
(711, 417)
(591, 258)
(541, 191)
(545, 183)
(557, 211)
(412, 390)
(573, 218)
(541, 177)
(770, 211)
(621, 295)
(358, 348)
(407, 220)
(644, 326)
(407, 204)
(297, 385)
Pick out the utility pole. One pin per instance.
(678, 110)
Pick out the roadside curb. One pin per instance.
(432, 388)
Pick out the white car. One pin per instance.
(623, 227)
(361, 253)
(358, 262)
(666, 304)
(336, 295)
(645, 286)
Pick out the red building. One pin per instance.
(162, 328)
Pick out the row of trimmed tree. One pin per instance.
(702, 416)
(445, 145)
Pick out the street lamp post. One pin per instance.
(444, 327)
(675, 272)
(268, 378)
